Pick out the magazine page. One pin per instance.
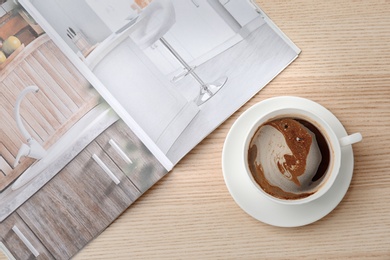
(173, 70)
(50, 113)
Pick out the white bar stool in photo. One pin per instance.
(154, 22)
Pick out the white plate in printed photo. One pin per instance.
(245, 194)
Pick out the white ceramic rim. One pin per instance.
(329, 134)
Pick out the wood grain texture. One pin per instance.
(64, 97)
(3, 256)
(15, 245)
(345, 66)
(78, 203)
(145, 170)
(14, 25)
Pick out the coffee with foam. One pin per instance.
(288, 158)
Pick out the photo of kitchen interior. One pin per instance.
(64, 94)
(15, 21)
(179, 62)
(55, 125)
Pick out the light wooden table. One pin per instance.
(345, 66)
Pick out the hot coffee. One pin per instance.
(289, 158)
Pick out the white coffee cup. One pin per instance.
(334, 142)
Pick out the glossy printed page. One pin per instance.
(187, 65)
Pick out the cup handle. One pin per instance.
(350, 139)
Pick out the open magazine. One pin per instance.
(171, 70)
(135, 73)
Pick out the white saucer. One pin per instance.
(246, 195)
